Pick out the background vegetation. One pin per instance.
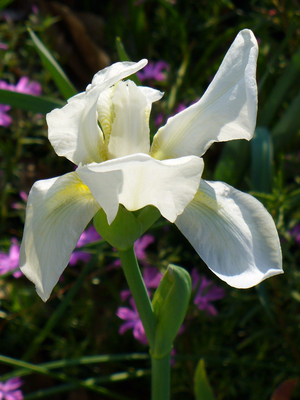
(252, 345)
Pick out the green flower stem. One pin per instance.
(160, 366)
(139, 292)
(161, 378)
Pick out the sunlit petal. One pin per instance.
(58, 211)
(233, 233)
(226, 111)
(138, 180)
(73, 130)
(130, 128)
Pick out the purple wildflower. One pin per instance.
(5, 119)
(21, 206)
(152, 278)
(3, 46)
(206, 292)
(10, 261)
(154, 71)
(295, 233)
(23, 86)
(140, 249)
(88, 236)
(10, 389)
(131, 316)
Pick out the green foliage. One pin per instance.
(71, 343)
(202, 387)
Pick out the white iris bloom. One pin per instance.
(105, 131)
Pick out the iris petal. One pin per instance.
(226, 111)
(58, 210)
(138, 180)
(233, 233)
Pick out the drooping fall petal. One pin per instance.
(138, 180)
(233, 233)
(58, 210)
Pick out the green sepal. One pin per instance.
(170, 303)
(122, 232)
(147, 216)
(202, 388)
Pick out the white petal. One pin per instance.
(73, 130)
(130, 128)
(233, 233)
(226, 111)
(58, 211)
(138, 180)
(115, 73)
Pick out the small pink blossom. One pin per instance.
(3, 46)
(152, 278)
(295, 233)
(206, 293)
(154, 71)
(10, 261)
(90, 235)
(131, 316)
(140, 249)
(23, 86)
(21, 206)
(5, 119)
(10, 389)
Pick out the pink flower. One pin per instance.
(10, 389)
(295, 233)
(140, 249)
(3, 46)
(206, 293)
(131, 316)
(90, 235)
(154, 71)
(23, 86)
(21, 206)
(10, 261)
(5, 119)
(152, 278)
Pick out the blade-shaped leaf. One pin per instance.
(30, 103)
(61, 80)
(261, 160)
(123, 56)
(202, 388)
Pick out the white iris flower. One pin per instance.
(105, 131)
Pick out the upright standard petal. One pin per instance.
(73, 130)
(233, 233)
(58, 211)
(226, 111)
(138, 180)
(130, 132)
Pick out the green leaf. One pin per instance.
(284, 133)
(62, 82)
(170, 303)
(261, 160)
(202, 388)
(289, 76)
(122, 232)
(5, 3)
(123, 56)
(233, 162)
(37, 104)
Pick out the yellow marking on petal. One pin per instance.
(68, 194)
(207, 201)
